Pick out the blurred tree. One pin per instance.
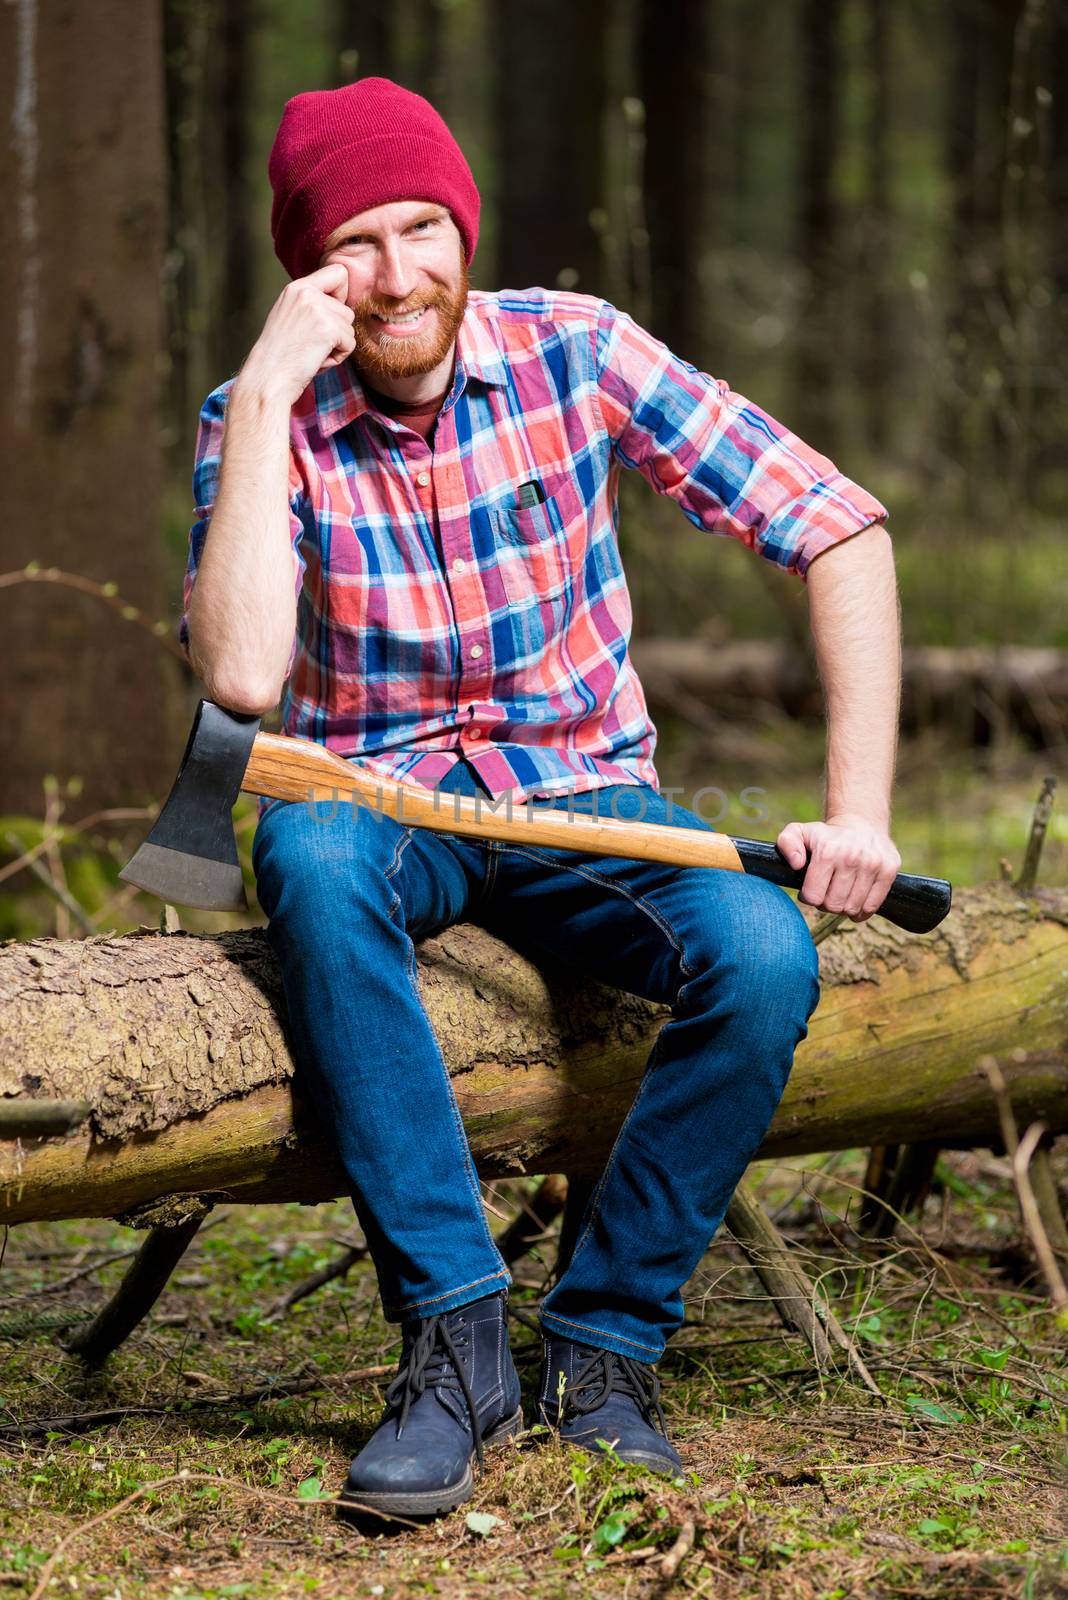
(1052, 113)
(981, 53)
(235, 333)
(550, 57)
(187, 42)
(364, 39)
(817, 244)
(1054, 104)
(81, 335)
(879, 359)
(676, 45)
(209, 80)
(404, 40)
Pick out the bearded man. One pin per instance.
(407, 528)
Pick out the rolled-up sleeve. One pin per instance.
(205, 489)
(731, 467)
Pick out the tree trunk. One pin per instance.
(675, 57)
(972, 692)
(982, 45)
(236, 333)
(81, 336)
(550, 143)
(878, 364)
(364, 39)
(819, 115)
(178, 1044)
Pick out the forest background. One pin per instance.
(854, 211)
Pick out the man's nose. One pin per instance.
(396, 276)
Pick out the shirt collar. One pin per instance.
(338, 395)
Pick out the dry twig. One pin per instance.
(674, 1557)
(1020, 1153)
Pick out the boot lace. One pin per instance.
(432, 1362)
(604, 1374)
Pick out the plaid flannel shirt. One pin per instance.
(444, 609)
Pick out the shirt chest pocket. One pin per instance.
(531, 552)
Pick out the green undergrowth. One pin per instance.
(194, 1481)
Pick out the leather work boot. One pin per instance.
(597, 1398)
(455, 1392)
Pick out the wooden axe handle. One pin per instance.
(300, 769)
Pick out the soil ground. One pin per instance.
(197, 1484)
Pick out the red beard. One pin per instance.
(381, 355)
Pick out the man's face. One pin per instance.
(407, 285)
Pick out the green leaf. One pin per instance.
(995, 1359)
(929, 1408)
(310, 1489)
(614, 1528)
(482, 1522)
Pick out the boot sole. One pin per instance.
(427, 1502)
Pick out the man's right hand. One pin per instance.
(308, 329)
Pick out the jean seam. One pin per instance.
(460, 1288)
(605, 1333)
(398, 850)
(643, 905)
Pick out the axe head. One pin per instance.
(190, 856)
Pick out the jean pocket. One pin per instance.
(531, 552)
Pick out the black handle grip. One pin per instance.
(915, 904)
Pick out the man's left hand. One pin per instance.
(852, 863)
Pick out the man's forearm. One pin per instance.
(242, 613)
(856, 629)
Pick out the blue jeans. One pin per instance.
(349, 891)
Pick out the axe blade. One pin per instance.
(190, 855)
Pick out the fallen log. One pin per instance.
(178, 1044)
(976, 690)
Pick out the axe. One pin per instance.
(190, 856)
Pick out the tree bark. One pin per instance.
(81, 335)
(179, 1045)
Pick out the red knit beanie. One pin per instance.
(338, 152)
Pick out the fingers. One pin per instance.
(851, 868)
(332, 280)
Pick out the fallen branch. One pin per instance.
(1020, 1152)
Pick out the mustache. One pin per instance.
(370, 307)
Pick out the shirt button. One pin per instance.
(423, 479)
(474, 733)
(475, 651)
(459, 565)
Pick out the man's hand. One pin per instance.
(308, 329)
(853, 863)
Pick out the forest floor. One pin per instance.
(195, 1484)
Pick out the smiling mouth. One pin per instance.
(401, 324)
